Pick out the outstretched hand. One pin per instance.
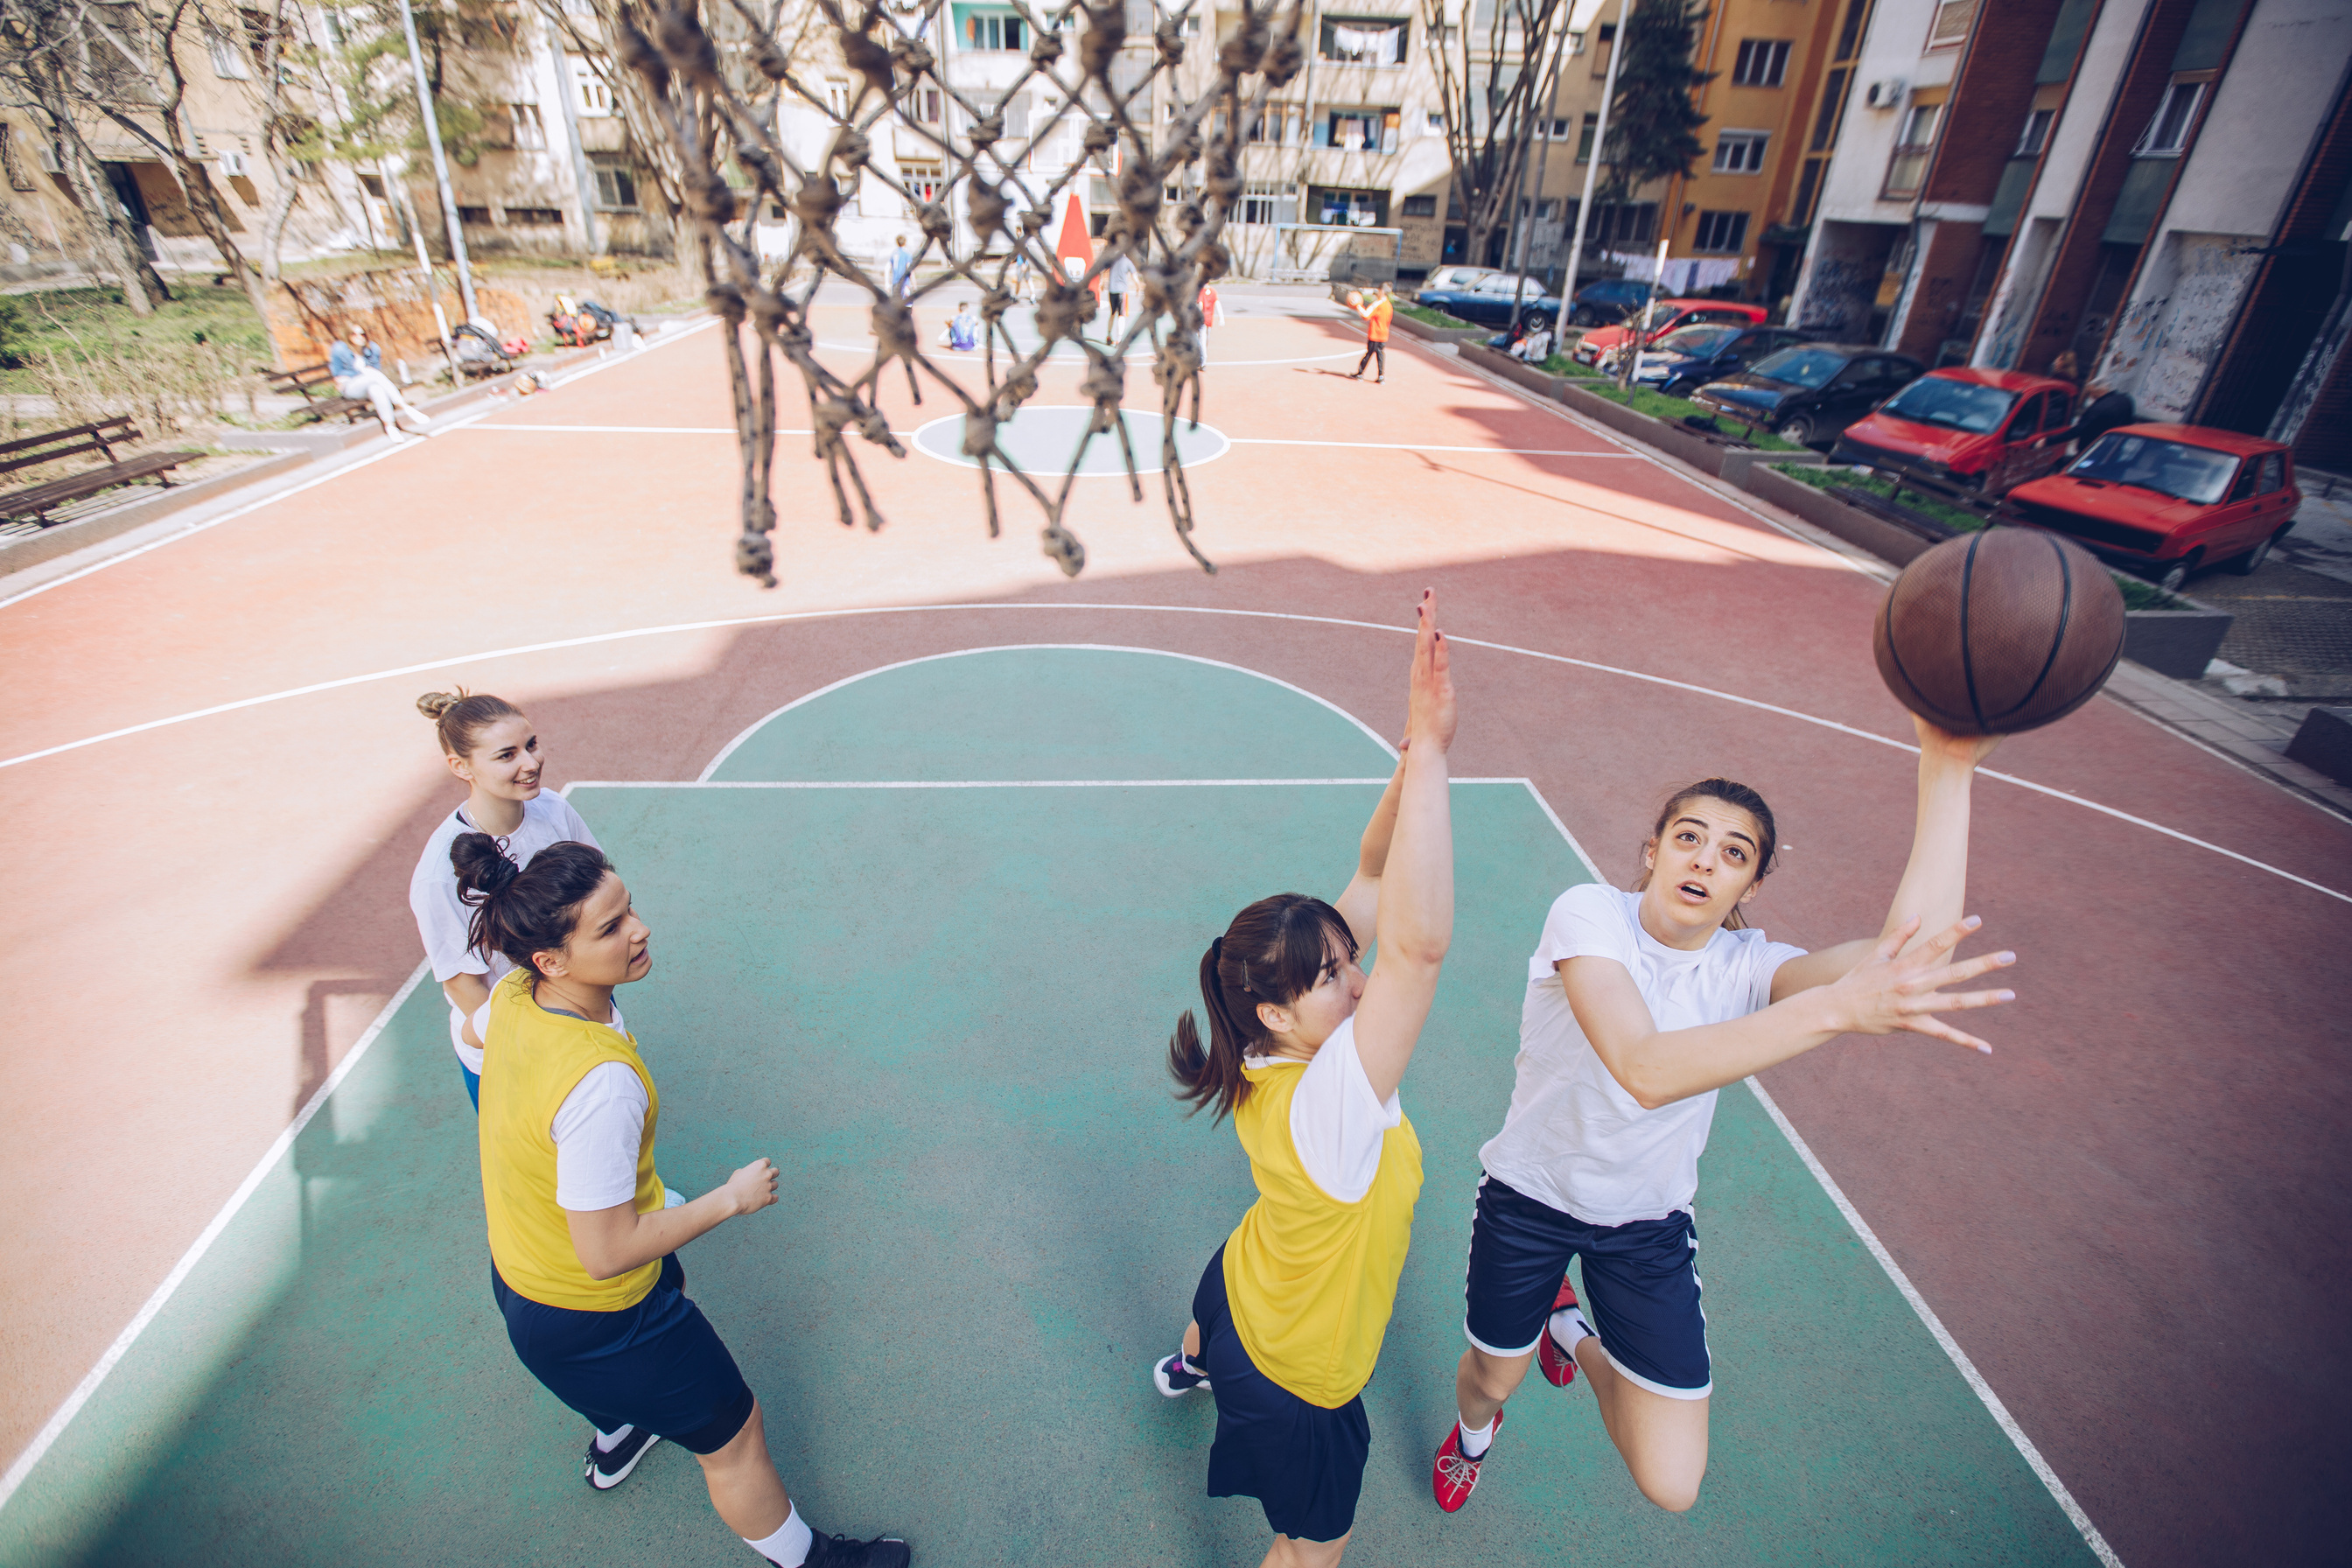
(1892, 991)
(1941, 744)
(1429, 709)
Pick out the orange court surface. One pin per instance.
(2120, 1236)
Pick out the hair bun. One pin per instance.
(432, 704)
(482, 867)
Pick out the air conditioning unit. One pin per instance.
(231, 163)
(1885, 94)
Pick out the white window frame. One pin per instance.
(2190, 96)
(1949, 28)
(227, 52)
(2034, 137)
(592, 95)
(1740, 151)
(1739, 235)
(529, 130)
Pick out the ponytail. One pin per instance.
(519, 912)
(1274, 950)
(459, 717)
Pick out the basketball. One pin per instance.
(1355, 296)
(1998, 631)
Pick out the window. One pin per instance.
(1349, 208)
(1953, 405)
(476, 216)
(1762, 62)
(1421, 207)
(616, 185)
(12, 158)
(1600, 57)
(592, 94)
(1908, 167)
(2059, 413)
(1436, 126)
(926, 105)
(1269, 201)
(1282, 124)
(1364, 40)
(1584, 138)
(536, 217)
(1739, 153)
(2029, 418)
(1554, 129)
(529, 130)
(1953, 19)
(836, 100)
(2167, 132)
(1721, 233)
(2036, 134)
(997, 31)
(1360, 130)
(2274, 477)
(1832, 110)
(1576, 42)
(229, 58)
(924, 182)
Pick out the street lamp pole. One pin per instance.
(441, 165)
(1592, 165)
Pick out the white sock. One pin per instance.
(1567, 1326)
(608, 1441)
(789, 1547)
(1476, 1441)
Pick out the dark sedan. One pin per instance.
(1811, 393)
(1609, 302)
(1488, 303)
(1683, 362)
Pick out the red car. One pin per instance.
(1982, 429)
(1666, 316)
(2168, 498)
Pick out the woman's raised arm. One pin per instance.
(1415, 920)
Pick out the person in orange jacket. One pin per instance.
(1376, 333)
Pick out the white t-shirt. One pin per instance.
(1337, 1122)
(598, 1131)
(1574, 1139)
(442, 916)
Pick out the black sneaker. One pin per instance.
(605, 1470)
(840, 1552)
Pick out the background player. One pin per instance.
(1639, 1007)
(490, 746)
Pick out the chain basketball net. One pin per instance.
(715, 100)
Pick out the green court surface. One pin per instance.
(943, 1012)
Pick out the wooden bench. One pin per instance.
(34, 503)
(316, 406)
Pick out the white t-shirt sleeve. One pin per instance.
(599, 1131)
(1337, 1122)
(1765, 958)
(575, 827)
(1588, 921)
(441, 916)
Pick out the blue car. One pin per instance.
(1487, 302)
(1607, 302)
(1686, 359)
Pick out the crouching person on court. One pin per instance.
(584, 1260)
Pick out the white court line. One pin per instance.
(1943, 1336)
(55, 1426)
(760, 723)
(457, 422)
(983, 784)
(1234, 440)
(1951, 1347)
(630, 430)
(598, 638)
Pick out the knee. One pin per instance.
(1494, 1377)
(1672, 1487)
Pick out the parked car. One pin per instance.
(2164, 499)
(1488, 303)
(1809, 393)
(1983, 429)
(1687, 358)
(1444, 278)
(1609, 301)
(1670, 315)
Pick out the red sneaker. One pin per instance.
(1556, 1362)
(1454, 1477)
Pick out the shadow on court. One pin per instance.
(941, 1012)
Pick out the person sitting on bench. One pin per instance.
(357, 366)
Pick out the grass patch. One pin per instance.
(1429, 318)
(82, 327)
(1673, 410)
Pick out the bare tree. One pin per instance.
(58, 61)
(1491, 86)
(637, 109)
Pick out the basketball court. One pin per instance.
(930, 840)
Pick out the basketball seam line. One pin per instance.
(2057, 638)
(1967, 660)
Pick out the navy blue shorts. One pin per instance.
(1641, 1288)
(658, 1365)
(1303, 1463)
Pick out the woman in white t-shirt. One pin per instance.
(489, 744)
(1305, 1052)
(1640, 1006)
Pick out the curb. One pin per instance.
(65, 537)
